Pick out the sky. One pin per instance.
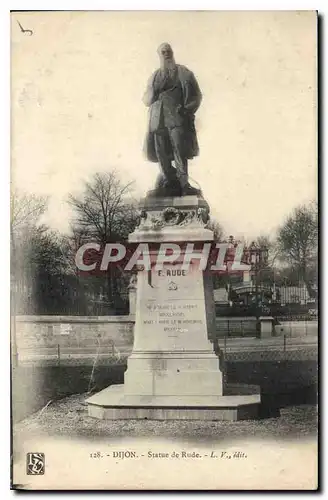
(76, 108)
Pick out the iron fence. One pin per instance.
(283, 347)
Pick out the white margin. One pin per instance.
(5, 7)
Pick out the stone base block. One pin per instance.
(113, 404)
(173, 373)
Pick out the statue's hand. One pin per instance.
(181, 110)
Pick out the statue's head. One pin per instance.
(165, 53)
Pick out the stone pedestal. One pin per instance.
(173, 371)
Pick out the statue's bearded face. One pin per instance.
(165, 53)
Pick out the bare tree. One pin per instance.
(26, 209)
(270, 244)
(70, 245)
(25, 212)
(298, 240)
(105, 212)
(217, 229)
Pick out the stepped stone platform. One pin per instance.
(239, 403)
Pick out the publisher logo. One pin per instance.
(35, 463)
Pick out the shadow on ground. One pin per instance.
(283, 383)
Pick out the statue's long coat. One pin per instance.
(191, 101)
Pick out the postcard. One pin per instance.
(164, 250)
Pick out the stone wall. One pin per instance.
(236, 327)
(297, 328)
(73, 331)
(82, 332)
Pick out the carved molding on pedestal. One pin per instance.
(172, 216)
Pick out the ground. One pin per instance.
(69, 417)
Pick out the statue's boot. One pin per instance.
(166, 187)
(188, 190)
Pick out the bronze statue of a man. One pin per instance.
(173, 96)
